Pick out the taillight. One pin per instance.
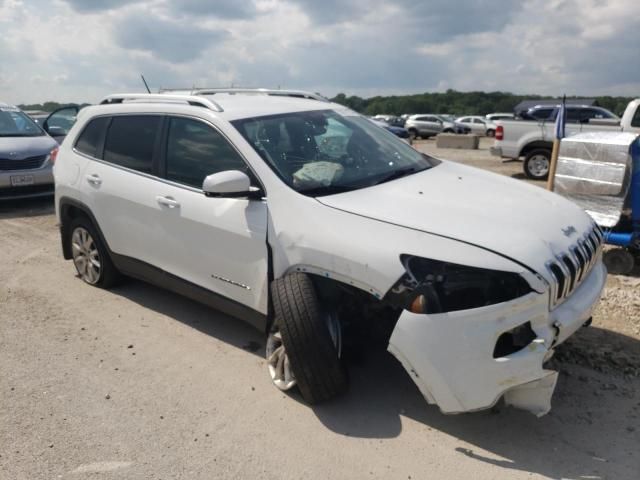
(53, 154)
(499, 132)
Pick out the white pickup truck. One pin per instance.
(534, 140)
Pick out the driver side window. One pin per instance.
(195, 150)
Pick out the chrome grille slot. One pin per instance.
(572, 267)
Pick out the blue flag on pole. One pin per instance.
(561, 120)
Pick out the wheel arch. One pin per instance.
(71, 209)
(537, 145)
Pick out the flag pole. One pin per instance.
(558, 135)
(553, 164)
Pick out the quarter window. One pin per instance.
(195, 150)
(90, 138)
(130, 141)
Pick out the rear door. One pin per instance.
(120, 185)
(217, 243)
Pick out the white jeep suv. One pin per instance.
(311, 223)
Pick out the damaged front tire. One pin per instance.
(310, 341)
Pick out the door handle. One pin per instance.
(167, 201)
(94, 179)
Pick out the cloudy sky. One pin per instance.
(81, 50)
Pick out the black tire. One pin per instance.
(108, 275)
(532, 164)
(448, 130)
(314, 360)
(413, 134)
(618, 261)
(491, 133)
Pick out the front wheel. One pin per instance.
(491, 133)
(305, 342)
(413, 134)
(536, 164)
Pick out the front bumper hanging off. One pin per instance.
(450, 355)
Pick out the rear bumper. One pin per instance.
(42, 183)
(450, 356)
(495, 151)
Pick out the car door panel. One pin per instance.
(60, 121)
(217, 243)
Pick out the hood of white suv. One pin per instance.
(522, 222)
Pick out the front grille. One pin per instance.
(571, 268)
(29, 163)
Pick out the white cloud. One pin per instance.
(72, 50)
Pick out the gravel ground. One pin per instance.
(140, 383)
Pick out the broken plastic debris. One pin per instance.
(534, 396)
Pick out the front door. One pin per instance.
(217, 243)
(59, 122)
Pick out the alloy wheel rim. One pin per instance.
(278, 361)
(539, 165)
(86, 257)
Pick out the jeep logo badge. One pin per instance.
(570, 230)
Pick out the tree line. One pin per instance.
(458, 103)
(451, 101)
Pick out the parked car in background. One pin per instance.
(399, 132)
(428, 125)
(479, 125)
(27, 155)
(304, 219)
(392, 120)
(575, 114)
(533, 140)
(492, 117)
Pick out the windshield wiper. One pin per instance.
(403, 172)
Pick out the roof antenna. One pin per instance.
(145, 83)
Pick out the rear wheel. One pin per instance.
(536, 164)
(491, 133)
(305, 343)
(90, 257)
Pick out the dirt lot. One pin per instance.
(140, 383)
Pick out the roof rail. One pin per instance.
(264, 91)
(162, 98)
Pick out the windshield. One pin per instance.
(14, 123)
(324, 152)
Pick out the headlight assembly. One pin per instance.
(433, 286)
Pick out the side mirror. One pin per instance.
(229, 184)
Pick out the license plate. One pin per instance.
(21, 180)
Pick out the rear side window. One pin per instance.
(91, 137)
(195, 150)
(541, 113)
(131, 141)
